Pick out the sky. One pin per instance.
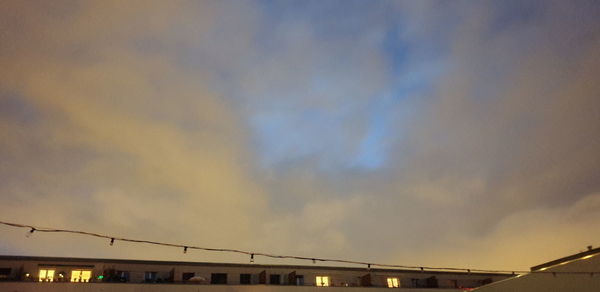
(427, 133)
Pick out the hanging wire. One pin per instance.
(276, 256)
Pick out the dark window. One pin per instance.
(365, 280)
(431, 282)
(150, 277)
(4, 273)
(122, 276)
(274, 279)
(299, 280)
(415, 283)
(187, 276)
(245, 279)
(262, 277)
(115, 276)
(218, 278)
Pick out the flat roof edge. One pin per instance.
(213, 264)
(565, 259)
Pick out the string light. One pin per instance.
(314, 260)
(30, 233)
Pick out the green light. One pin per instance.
(100, 277)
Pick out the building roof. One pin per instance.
(575, 273)
(237, 265)
(590, 251)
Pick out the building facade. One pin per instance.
(24, 269)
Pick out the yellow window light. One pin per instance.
(393, 283)
(81, 275)
(323, 281)
(46, 275)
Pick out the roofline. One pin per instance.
(566, 259)
(237, 265)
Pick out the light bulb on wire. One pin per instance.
(30, 232)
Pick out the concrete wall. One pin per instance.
(117, 287)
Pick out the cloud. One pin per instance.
(538, 235)
(139, 163)
(508, 129)
(420, 133)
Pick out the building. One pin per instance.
(24, 273)
(576, 273)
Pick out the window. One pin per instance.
(262, 277)
(4, 273)
(274, 279)
(150, 276)
(218, 278)
(393, 283)
(300, 280)
(46, 275)
(245, 279)
(81, 275)
(322, 281)
(431, 282)
(415, 283)
(122, 276)
(187, 276)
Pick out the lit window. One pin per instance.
(323, 281)
(393, 283)
(46, 275)
(81, 275)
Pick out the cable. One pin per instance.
(252, 254)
